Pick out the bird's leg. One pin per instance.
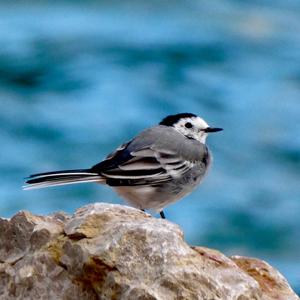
(162, 214)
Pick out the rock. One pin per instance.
(107, 251)
(271, 282)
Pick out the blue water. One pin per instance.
(79, 78)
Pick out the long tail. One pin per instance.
(43, 180)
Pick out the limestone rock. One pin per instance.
(271, 282)
(107, 251)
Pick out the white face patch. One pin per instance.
(192, 128)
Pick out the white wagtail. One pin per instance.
(157, 167)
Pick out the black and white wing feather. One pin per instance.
(157, 155)
(145, 166)
(147, 161)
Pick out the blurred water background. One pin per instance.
(79, 78)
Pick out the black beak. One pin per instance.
(212, 129)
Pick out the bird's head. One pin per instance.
(190, 125)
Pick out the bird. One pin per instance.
(159, 166)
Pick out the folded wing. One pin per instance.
(144, 166)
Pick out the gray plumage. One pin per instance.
(159, 166)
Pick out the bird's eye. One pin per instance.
(188, 125)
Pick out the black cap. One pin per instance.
(173, 119)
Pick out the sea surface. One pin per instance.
(77, 79)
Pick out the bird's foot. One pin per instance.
(162, 214)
